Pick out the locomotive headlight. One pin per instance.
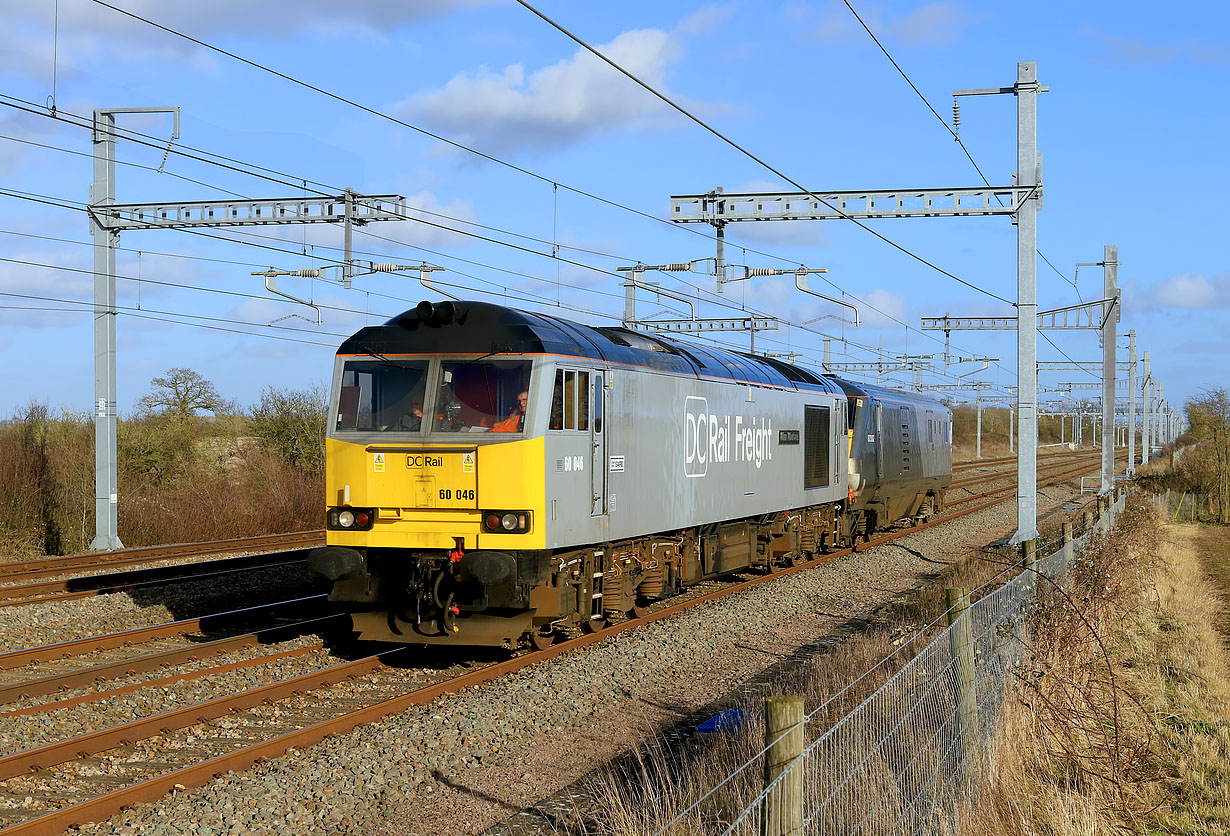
(350, 519)
(506, 522)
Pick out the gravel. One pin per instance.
(34, 625)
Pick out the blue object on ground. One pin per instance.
(725, 721)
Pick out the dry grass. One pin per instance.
(1125, 726)
(1119, 721)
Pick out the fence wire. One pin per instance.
(901, 762)
(1181, 506)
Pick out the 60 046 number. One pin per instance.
(460, 493)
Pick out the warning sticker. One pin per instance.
(467, 463)
(377, 462)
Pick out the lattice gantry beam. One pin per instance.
(363, 208)
(725, 207)
(1086, 317)
(701, 325)
(1049, 366)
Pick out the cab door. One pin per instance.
(879, 432)
(597, 438)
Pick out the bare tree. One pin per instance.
(179, 394)
(1209, 417)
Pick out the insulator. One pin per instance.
(956, 116)
(679, 266)
(309, 273)
(388, 267)
(763, 271)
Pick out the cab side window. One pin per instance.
(570, 400)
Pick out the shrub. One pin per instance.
(291, 424)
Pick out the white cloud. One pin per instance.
(22, 285)
(938, 23)
(884, 309)
(556, 105)
(777, 233)
(935, 24)
(1140, 53)
(706, 20)
(1187, 290)
(89, 32)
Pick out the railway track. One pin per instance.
(958, 467)
(92, 775)
(42, 567)
(1057, 463)
(67, 589)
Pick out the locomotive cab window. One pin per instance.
(381, 396)
(570, 400)
(483, 396)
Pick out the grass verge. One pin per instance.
(1118, 720)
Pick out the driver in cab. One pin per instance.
(515, 422)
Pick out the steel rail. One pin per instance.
(44, 685)
(43, 566)
(46, 653)
(188, 676)
(1051, 471)
(975, 463)
(69, 589)
(90, 743)
(1005, 474)
(200, 773)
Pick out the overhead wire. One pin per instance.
(947, 127)
(381, 115)
(553, 182)
(749, 154)
(285, 179)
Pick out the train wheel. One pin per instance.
(593, 625)
(542, 639)
(638, 611)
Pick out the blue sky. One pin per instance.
(1135, 113)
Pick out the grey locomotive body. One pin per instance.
(628, 467)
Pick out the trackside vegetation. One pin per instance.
(192, 466)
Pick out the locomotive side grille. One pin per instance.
(815, 446)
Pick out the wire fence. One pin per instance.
(1180, 506)
(905, 758)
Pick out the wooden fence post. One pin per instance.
(960, 640)
(782, 814)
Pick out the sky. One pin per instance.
(576, 167)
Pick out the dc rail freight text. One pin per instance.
(494, 475)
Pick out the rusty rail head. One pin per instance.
(90, 585)
(43, 566)
(53, 754)
(152, 661)
(18, 658)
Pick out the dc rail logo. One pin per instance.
(696, 436)
(710, 438)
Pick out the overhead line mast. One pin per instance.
(1024, 200)
(108, 219)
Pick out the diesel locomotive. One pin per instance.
(493, 475)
